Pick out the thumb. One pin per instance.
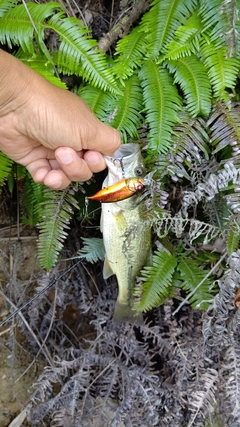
(105, 139)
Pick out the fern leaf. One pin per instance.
(162, 20)
(97, 100)
(161, 104)
(93, 249)
(233, 239)
(77, 51)
(192, 77)
(186, 39)
(121, 112)
(222, 71)
(157, 281)
(192, 274)
(130, 52)
(16, 27)
(5, 167)
(41, 65)
(213, 20)
(58, 209)
(124, 111)
(78, 54)
(6, 5)
(31, 200)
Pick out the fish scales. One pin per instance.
(126, 236)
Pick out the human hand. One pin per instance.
(49, 130)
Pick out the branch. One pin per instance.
(122, 27)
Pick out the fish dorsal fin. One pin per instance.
(107, 270)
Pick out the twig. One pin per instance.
(123, 26)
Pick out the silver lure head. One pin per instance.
(126, 162)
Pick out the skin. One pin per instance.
(49, 130)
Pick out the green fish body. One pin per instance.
(126, 236)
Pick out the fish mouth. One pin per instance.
(126, 150)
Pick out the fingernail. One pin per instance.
(64, 158)
(56, 184)
(93, 159)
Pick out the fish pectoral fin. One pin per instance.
(107, 269)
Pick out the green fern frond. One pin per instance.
(233, 238)
(5, 167)
(97, 100)
(78, 54)
(5, 5)
(130, 52)
(58, 210)
(192, 274)
(161, 103)
(213, 20)
(186, 39)
(16, 27)
(162, 20)
(18, 173)
(39, 63)
(32, 196)
(77, 51)
(93, 249)
(124, 111)
(157, 281)
(222, 71)
(192, 77)
(121, 112)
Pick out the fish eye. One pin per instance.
(138, 171)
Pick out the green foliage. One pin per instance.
(130, 52)
(156, 281)
(32, 197)
(162, 103)
(192, 77)
(58, 209)
(233, 240)
(5, 168)
(191, 275)
(163, 19)
(175, 73)
(222, 71)
(77, 52)
(38, 63)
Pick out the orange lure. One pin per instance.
(120, 191)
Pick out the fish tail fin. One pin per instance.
(125, 313)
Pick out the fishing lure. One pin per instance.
(120, 191)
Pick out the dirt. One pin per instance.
(18, 262)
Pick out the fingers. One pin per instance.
(107, 139)
(68, 166)
(94, 160)
(79, 166)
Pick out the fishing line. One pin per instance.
(53, 281)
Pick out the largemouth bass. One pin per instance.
(126, 236)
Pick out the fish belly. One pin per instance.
(127, 241)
